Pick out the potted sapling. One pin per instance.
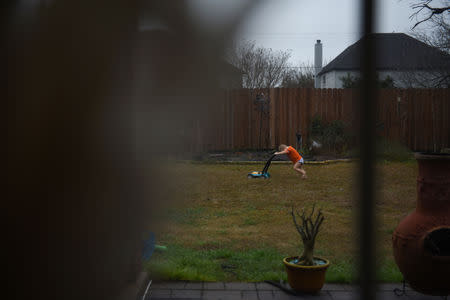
(306, 273)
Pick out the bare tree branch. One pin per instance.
(263, 67)
(437, 35)
(432, 11)
(300, 76)
(308, 231)
(299, 228)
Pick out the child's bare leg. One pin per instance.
(299, 168)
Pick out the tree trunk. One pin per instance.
(307, 258)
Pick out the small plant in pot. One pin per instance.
(306, 273)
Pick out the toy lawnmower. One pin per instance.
(262, 174)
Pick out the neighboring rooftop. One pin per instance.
(395, 51)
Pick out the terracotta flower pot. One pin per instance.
(308, 279)
(421, 242)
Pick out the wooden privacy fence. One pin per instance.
(418, 118)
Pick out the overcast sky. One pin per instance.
(293, 25)
(296, 24)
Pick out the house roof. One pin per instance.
(395, 51)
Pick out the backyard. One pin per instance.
(225, 227)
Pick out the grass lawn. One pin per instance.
(230, 228)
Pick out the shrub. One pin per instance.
(332, 137)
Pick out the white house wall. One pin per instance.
(333, 78)
(411, 79)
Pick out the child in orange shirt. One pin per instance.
(294, 156)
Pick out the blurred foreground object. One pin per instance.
(93, 102)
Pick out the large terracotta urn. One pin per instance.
(421, 241)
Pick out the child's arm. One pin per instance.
(285, 151)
